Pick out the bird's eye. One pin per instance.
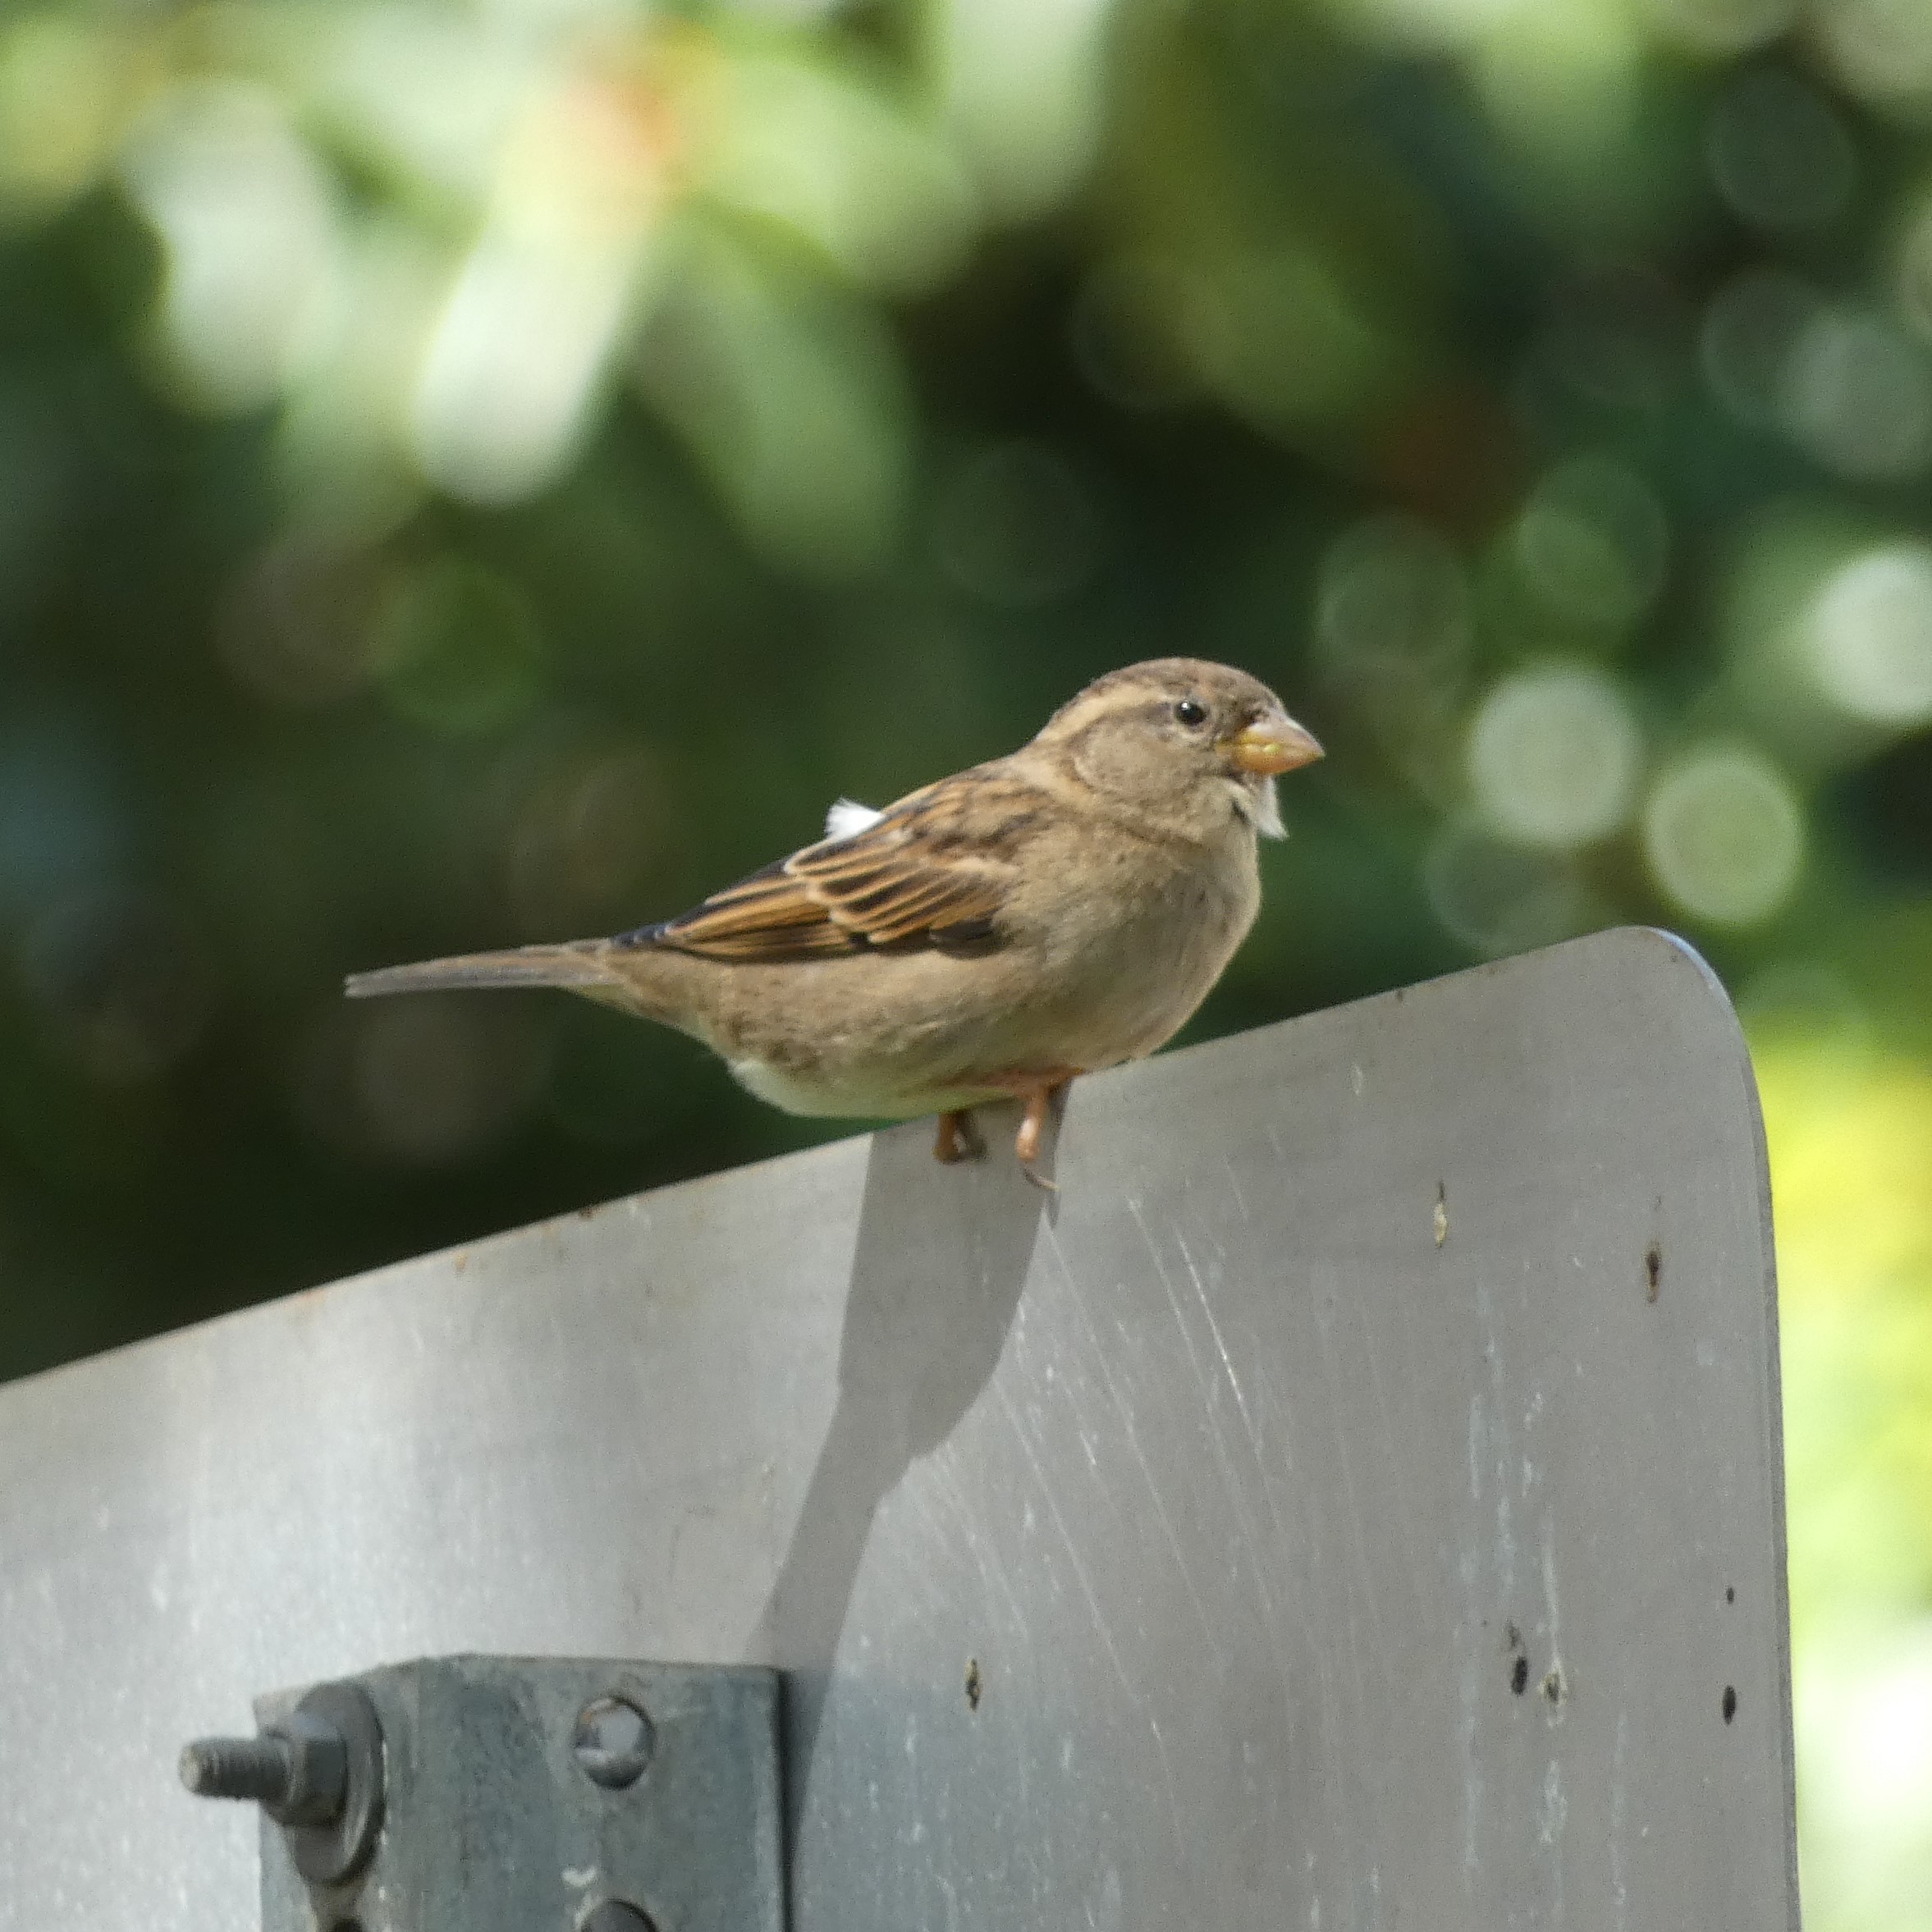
(1190, 711)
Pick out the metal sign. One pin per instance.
(1353, 1500)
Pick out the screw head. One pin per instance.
(612, 1741)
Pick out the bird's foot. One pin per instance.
(1026, 1142)
(959, 1140)
(1041, 1091)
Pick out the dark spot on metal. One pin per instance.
(1553, 1686)
(1730, 1703)
(974, 1685)
(1519, 1668)
(1730, 1595)
(1653, 1271)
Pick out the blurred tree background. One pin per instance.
(493, 471)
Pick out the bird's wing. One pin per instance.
(934, 870)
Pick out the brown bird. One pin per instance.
(993, 934)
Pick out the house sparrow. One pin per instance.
(993, 934)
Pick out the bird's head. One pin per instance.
(1185, 742)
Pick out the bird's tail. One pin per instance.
(581, 966)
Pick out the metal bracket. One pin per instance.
(504, 1794)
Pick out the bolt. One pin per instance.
(612, 1741)
(317, 1772)
(297, 1770)
(259, 1768)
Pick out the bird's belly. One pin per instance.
(830, 1095)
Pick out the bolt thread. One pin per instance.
(259, 1768)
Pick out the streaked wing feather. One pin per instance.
(933, 870)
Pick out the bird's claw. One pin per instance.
(1040, 1098)
(957, 1139)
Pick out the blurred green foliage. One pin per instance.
(493, 471)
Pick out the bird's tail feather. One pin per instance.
(522, 966)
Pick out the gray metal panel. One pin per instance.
(1244, 1500)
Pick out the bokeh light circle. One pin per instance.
(1592, 540)
(1748, 333)
(1870, 634)
(1125, 325)
(1391, 594)
(1880, 48)
(1496, 896)
(1553, 754)
(419, 1082)
(1911, 266)
(1722, 26)
(1857, 393)
(1778, 153)
(1724, 834)
(462, 649)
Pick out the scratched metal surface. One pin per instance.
(1334, 1528)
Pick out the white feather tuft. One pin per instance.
(1267, 819)
(849, 817)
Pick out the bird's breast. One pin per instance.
(1150, 945)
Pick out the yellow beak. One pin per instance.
(1271, 745)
